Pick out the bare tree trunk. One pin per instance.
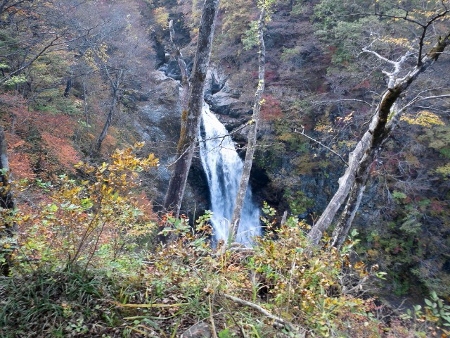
(342, 228)
(115, 91)
(356, 174)
(252, 133)
(7, 226)
(69, 85)
(190, 118)
(183, 69)
(85, 103)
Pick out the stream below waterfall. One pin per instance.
(223, 168)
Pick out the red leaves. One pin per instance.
(62, 150)
(37, 141)
(270, 109)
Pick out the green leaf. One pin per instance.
(16, 80)
(52, 208)
(434, 295)
(398, 195)
(224, 333)
(428, 302)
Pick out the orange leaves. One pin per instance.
(20, 165)
(62, 150)
(37, 141)
(89, 221)
(19, 162)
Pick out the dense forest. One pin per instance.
(270, 168)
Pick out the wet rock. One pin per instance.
(222, 103)
(162, 99)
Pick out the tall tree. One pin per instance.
(253, 128)
(28, 32)
(115, 83)
(352, 183)
(190, 118)
(7, 226)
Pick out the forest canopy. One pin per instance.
(340, 110)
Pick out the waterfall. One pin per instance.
(223, 168)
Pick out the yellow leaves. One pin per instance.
(102, 52)
(444, 170)
(94, 55)
(103, 167)
(305, 285)
(396, 41)
(424, 118)
(323, 126)
(89, 58)
(126, 160)
(84, 215)
(346, 119)
(161, 17)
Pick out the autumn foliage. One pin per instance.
(38, 141)
(81, 218)
(270, 108)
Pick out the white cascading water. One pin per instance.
(223, 168)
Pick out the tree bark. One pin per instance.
(7, 226)
(356, 174)
(176, 53)
(115, 91)
(342, 229)
(190, 118)
(85, 103)
(69, 85)
(252, 133)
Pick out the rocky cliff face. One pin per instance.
(311, 86)
(229, 92)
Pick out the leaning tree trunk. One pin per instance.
(7, 226)
(190, 118)
(253, 129)
(356, 174)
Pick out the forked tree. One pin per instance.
(353, 182)
(191, 116)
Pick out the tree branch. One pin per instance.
(321, 144)
(361, 157)
(277, 320)
(29, 63)
(424, 26)
(340, 100)
(392, 76)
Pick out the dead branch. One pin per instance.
(318, 103)
(392, 76)
(356, 174)
(278, 320)
(211, 318)
(320, 143)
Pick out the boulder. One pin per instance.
(199, 330)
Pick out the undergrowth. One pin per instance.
(89, 265)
